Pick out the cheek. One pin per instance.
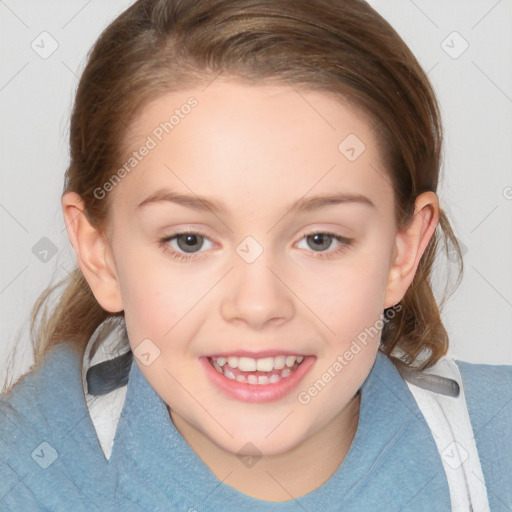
(153, 294)
(348, 298)
(159, 308)
(346, 294)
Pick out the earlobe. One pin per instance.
(410, 245)
(92, 253)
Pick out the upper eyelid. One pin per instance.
(347, 232)
(312, 231)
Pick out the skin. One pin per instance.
(256, 148)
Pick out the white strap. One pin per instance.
(108, 339)
(449, 421)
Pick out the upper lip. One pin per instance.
(257, 355)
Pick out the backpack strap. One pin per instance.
(104, 379)
(447, 416)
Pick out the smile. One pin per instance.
(262, 379)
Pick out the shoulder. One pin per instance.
(28, 407)
(488, 393)
(28, 426)
(26, 410)
(28, 401)
(484, 372)
(22, 402)
(488, 390)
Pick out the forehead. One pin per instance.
(240, 141)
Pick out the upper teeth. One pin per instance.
(266, 364)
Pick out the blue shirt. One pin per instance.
(51, 459)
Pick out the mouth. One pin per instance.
(257, 379)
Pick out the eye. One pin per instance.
(184, 245)
(320, 241)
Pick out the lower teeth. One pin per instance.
(251, 378)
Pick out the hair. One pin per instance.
(340, 47)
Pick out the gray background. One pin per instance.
(474, 87)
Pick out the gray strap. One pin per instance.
(102, 378)
(435, 383)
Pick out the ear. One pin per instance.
(410, 244)
(93, 253)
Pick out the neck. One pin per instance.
(270, 479)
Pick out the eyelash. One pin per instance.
(182, 257)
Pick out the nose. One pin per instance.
(257, 296)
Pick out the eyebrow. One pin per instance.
(202, 203)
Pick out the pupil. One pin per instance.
(190, 242)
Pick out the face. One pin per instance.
(228, 259)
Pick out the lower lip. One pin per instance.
(258, 392)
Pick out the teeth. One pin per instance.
(266, 364)
(279, 362)
(285, 364)
(252, 379)
(246, 364)
(290, 360)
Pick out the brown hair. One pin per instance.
(340, 47)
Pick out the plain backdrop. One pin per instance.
(465, 46)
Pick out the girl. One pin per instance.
(251, 325)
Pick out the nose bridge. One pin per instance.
(256, 295)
